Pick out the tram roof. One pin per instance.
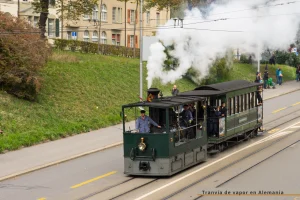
(220, 88)
(166, 102)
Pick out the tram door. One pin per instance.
(214, 115)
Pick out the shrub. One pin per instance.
(88, 47)
(287, 58)
(244, 59)
(22, 54)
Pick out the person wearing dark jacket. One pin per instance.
(266, 77)
(298, 74)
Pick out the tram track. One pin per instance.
(128, 181)
(117, 185)
(230, 179)
(235, 162)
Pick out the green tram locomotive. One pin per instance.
(174, 143)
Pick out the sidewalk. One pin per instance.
(43, 155)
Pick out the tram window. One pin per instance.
(237, 99)
(158, 115)
(182, 126)
(249, 100)
(229, 106)
(246, 101)
(252, 100)
(241, 103)
(232, 105)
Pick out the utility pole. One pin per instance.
(125, 23)
(18, 8)
(100, 27)
(141, 50)
(62, 19)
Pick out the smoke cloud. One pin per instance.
(250, 26)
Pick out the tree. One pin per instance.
(22, 54)
(163, 4)
(168, 4)
(71, 10)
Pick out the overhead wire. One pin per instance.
(172, 26)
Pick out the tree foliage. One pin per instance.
(173, 4)
(71, 10)
(22, 55)
(162, 4)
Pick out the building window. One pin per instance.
(51, 27)
(86, 36)
(117, 15)
(157, 19)
(148, 17)
(131, 41)
(30, 19)
(103, 38)
(116, 39)
(114, 13)
(69, 35)
(95, 13)
(104, 13)
(95, 36)
(35, 21)
(119, 18)
(132, 16)
(86, 16)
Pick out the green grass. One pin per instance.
(81, 92)
(248, 72)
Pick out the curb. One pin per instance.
(92, 151)
(60, 161)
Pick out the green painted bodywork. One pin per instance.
(164, 146)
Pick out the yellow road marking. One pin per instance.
(276, 111)
(273, 130)
(93, 179)
(296, 103)
(43, 198)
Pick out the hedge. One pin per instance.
(88, 47)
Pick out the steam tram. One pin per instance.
(179, 144)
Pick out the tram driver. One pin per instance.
(142, 123)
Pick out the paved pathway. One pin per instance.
(47, 154)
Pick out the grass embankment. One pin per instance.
(81, 93)
(247, 72)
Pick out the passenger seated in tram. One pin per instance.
(142, 123)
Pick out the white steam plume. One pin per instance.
(271, 25)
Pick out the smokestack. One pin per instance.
(154, 92)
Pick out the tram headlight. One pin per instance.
(142, 145)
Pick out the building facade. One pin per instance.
(117, 24)
(24, 9)
(113, 23)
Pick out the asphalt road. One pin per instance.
(278, 173)
(99, 171)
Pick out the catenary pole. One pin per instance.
(141, 49)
